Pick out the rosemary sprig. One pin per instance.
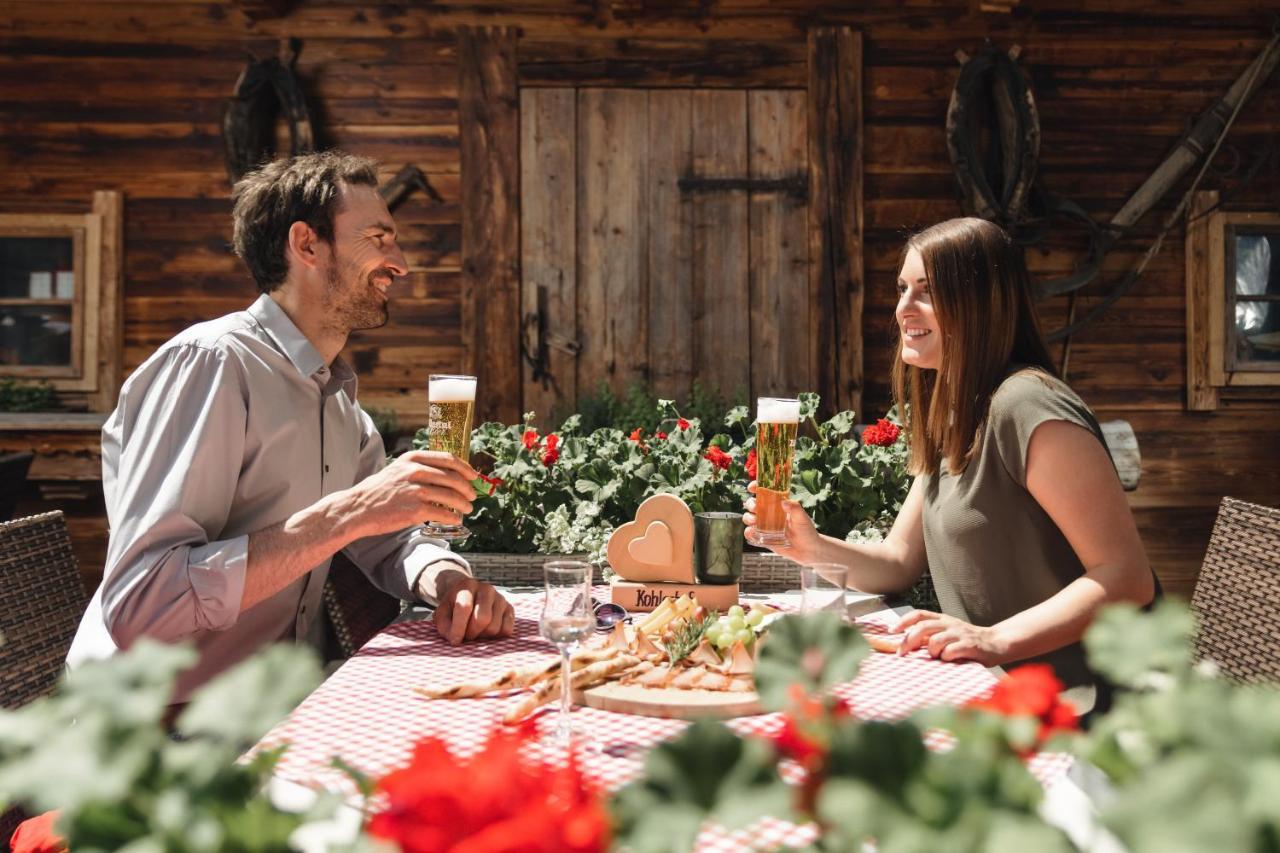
(686, 635)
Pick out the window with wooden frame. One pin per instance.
(1233, 301)
(59, 301)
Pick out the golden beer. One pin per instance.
(777, 424)
(449, 429)
(451, 403)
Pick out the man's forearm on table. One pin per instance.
(284, 552)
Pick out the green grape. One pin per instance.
(724, 641)
(754, 618)
(714, 630)
(736, 610)
(736, 623)
(744, 636)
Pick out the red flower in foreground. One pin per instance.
(682, 423)
(551, 454)
(493, 482)
(882, 433)
(529, 439)
(718, 458)
(660, 435)
(1031, 691)
(751, 463)
(494, 801)
(36, 835)
(637, 434)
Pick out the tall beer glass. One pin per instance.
(777, 422)
(451, 402)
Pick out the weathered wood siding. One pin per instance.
(129, 95)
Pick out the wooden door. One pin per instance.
(663, 240)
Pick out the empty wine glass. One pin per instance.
(566, 620)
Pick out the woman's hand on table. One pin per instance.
(949, 638)
(468, 609)
(804, 543)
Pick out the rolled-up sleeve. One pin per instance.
(396, 562)
(172, 453)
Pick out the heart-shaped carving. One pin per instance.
(658, 545)
(655, 546)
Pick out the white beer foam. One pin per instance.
(774, 411)
(451, 390)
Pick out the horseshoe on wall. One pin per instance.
(266, 89)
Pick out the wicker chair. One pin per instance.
(1237, 598)
(355, 608)
(41, 601)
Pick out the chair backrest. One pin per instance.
(355, 608)
(41, 601)
(1237, 598)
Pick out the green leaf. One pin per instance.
(240, 705)
(816, 651)
(707, 772)
(1127, 646)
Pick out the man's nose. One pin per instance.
(395, 261)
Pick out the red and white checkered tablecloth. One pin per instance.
(368, 714)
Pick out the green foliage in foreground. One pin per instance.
(97, 752)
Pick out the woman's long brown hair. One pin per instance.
(981, 297)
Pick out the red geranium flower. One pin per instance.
(660, 435)
(637, 434)
(551, 454)
(494, 801)
(493, 482)
(718, 458)
(1031, 691)
(36, 835)
(751, 463)
(882, 433)
(530, 439)
(682, 423)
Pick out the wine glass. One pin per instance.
(566, 619)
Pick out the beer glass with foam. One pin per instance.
(777, 422)
(451, 402)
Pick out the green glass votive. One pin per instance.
(717, 547)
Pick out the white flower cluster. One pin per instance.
(583, 532)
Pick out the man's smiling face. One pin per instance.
(363, 262)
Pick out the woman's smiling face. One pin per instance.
(921, 338)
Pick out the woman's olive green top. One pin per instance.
(992, 550)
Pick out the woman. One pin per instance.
(1016, 508)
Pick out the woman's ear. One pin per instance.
(302, 245)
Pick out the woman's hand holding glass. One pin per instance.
(803, 542)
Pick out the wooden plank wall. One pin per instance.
(128, 95)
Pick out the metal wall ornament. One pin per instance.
(266, 90)
(1002, 187)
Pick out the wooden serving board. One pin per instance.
(669, 702)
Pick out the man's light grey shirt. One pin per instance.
(229, 428)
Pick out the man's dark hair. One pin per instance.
(271, 198)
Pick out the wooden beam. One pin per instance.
(835, 215)
(1201, 394)
(109, 204)
(489, 134)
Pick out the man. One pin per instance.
(237, 461)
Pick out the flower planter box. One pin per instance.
(760, 572)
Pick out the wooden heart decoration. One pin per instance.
(658, 545)
(655, 547)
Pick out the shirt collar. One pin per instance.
(295, 346)
(288, 338)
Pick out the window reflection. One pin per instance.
(37, 336)
(1257, 257)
